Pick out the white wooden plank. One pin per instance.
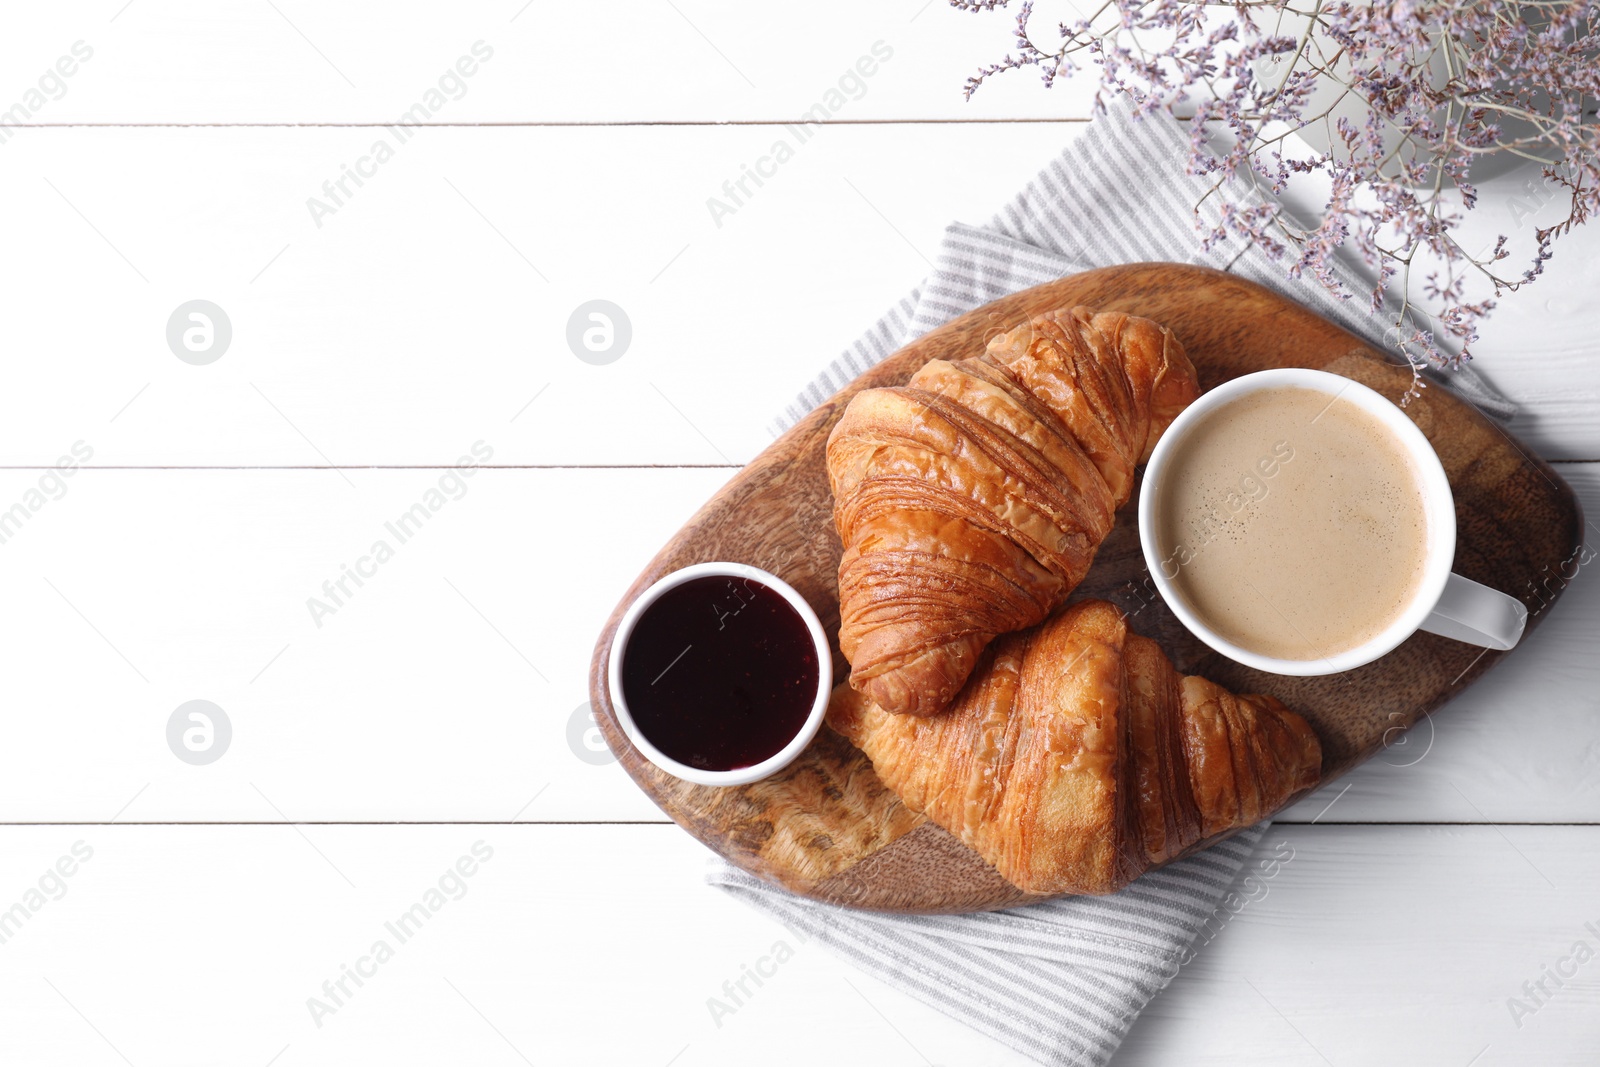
(444, 687)
(407, 703)
(631, 61)
(566, 945)
(601, 945)
(1394, 945)
(433, 305)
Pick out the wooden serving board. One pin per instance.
(827, 828)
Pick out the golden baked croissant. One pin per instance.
(1077, 757)
(972, 499)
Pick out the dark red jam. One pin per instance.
(720, 673)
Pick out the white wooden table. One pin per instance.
(380, 337)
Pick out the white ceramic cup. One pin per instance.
(741, 775)
(1445, 603)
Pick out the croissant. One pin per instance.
(971, 500)
(1076, 757)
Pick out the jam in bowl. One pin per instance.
(720, 674)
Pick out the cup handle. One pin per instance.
(1478, 615)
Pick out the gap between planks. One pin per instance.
(449, 466)
(386, 467)
(556, 125)
(668, 822)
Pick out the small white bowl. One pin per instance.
(741, 775)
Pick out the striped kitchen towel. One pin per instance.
(1118, 194)
(1062, 981)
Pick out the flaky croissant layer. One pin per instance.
(971, 500)
(1076, 757)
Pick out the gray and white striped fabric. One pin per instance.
(1062, 981)
(1118, 194)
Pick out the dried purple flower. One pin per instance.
(1437, 84)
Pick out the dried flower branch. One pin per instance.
(1405, 95)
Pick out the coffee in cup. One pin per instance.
(1300, 523)
(1293, 522)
